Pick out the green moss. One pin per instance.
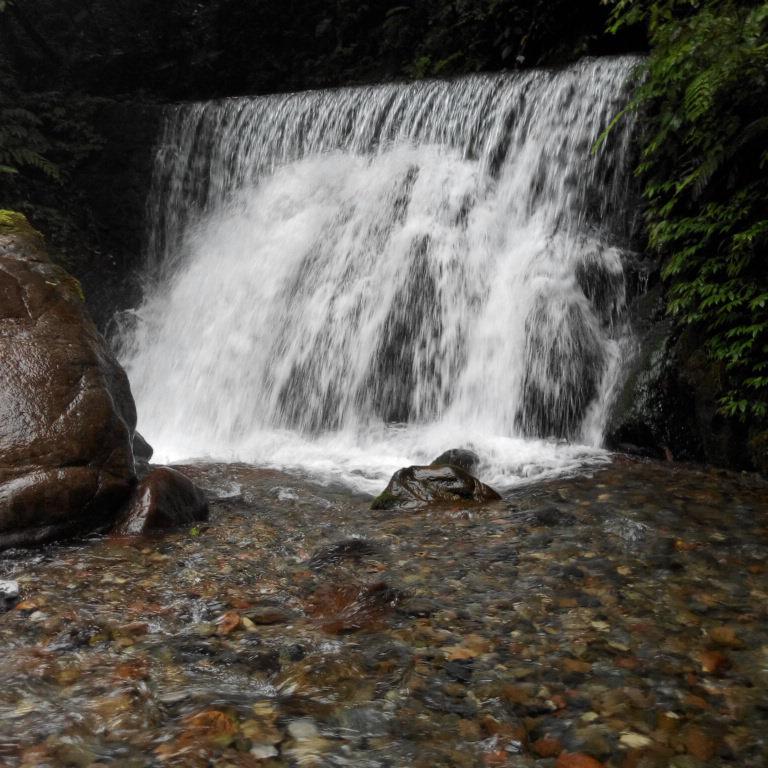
(74, 285)
(14, 223)
(385, 500)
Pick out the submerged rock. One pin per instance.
(163, 499)
(419, 486)
(468, 460)
(67, 417)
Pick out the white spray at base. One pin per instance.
(346, 282)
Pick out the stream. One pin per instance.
(618, 613)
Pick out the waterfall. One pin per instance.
(348, 281)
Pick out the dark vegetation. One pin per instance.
(703, 98)
(80, 81)
(182, 49)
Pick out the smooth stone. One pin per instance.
(163, 499)
(263, 751)
(303, 729)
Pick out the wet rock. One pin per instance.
(468, 460)
(269, 614)
(725, 636)
(142, 453)
(552, 516)
(700, 744)
(577, 760)
(348, 549)
(364, 722)
(669, 402)
(414, 487)
(163, 499)
(418, 606)
(345, 608)
(67, 417)
(714, 662)
(9, 594)
(547, 747)
(459, 670)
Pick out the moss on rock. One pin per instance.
(17, 224)
(385, 500)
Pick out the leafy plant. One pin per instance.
(703, 96)
(22, 144)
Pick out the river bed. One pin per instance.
(618, 614)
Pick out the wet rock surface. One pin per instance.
(9, 594)
(468, 460)
(618, 620)
(67, 416)
(413, 487)
(163, 499)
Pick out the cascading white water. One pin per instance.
(354, 280)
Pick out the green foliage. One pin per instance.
(22, 143)
(192, 49)
(703, 94)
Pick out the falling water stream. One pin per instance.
(349, 281)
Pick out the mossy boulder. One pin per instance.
(17, 225)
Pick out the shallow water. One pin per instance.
(620, 614)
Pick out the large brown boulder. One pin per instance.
(163, 499)
(414, 487)
(67, 417)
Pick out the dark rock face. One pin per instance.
(668, 404)
(163, 499)
(67, 417)
(142, 453)
(115, 184)
(468, 460)
(419, 486)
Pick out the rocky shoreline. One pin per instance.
(613, 620)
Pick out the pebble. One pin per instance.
(634, 740)
(303, 729)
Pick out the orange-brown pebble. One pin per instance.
(577, 760)
(547, 747)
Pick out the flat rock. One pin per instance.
(163, 499)
(414, 487)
